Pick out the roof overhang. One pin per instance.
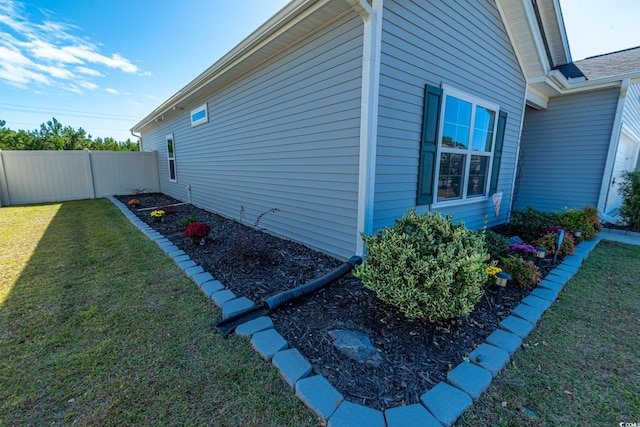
(296, 21)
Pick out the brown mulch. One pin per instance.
(414, 356)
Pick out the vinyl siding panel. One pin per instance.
(285, 136)
(565, 150)
(422, 44)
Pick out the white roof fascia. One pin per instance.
(567, 86)
(613, 147)
(512, 39)
(563, 30)
(533, 24)
(294, 11)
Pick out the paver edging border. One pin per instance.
(583, 250)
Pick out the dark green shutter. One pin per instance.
(429, 144)
(497, 154)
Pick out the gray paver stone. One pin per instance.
(351, 415)
(571, 269)
(516, 325)
(589, 244)
(182, 258)
(162, 241)
(410, 416)
(184, 265)
(192, 271)
(267, 343)
(292, 365)
(548, 294)
(547, 284)
(471, 379)
(211, 286)
(201, 278)
(220, 297)
(253, 326)
(556, 279)
(489, 357)
(176, 252)
(507, 341)
(319, 396)
(573, 260)
(527, 312)
(537, 302)
(559, 272)
(236, 306)
(446, 402)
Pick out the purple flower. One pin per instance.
(523, 247)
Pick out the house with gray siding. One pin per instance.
(575, 147)
(343, 114)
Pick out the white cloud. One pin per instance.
(112, 91)
(89, 71)
(51, 54)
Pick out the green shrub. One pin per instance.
(548, 241)
(186, 220)
(426, 266)
(630, 191)
(497, 245)
(529, 223)
(585, 219)
(523, 272)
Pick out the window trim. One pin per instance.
(476, 102)
(431, 147)
(202, 114)
(171, 156)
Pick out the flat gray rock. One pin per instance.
(354, 345)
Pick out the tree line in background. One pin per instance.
(53, 136)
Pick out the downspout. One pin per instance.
(139, 138)
(613, 148)
(518, 147)
(372, 17)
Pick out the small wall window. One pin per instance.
(171, 155)
(199, 115)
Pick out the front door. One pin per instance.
(626, 159)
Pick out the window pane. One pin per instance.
(483, 129)
(170, 147)
(450, 176)
(457, 122)
(478, 176)
(172, 170)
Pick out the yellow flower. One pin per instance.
(492, 270)
(157, 214)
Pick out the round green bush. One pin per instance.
(426, 266)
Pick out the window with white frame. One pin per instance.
(461, 147)
(171, 155)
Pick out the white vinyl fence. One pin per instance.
(53, 176)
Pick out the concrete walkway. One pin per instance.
(621, 236)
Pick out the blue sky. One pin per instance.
(104, 65)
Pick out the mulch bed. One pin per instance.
(414, 356)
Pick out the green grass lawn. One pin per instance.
(581, 365)
(99, 327)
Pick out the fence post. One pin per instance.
(89, 173)
(4, 185)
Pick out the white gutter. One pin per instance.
(613, 147)
(372, 17)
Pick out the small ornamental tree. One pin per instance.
(426, 266)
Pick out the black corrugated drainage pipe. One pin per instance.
(227, 326)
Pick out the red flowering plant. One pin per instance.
(134, 203)
(197, 231)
